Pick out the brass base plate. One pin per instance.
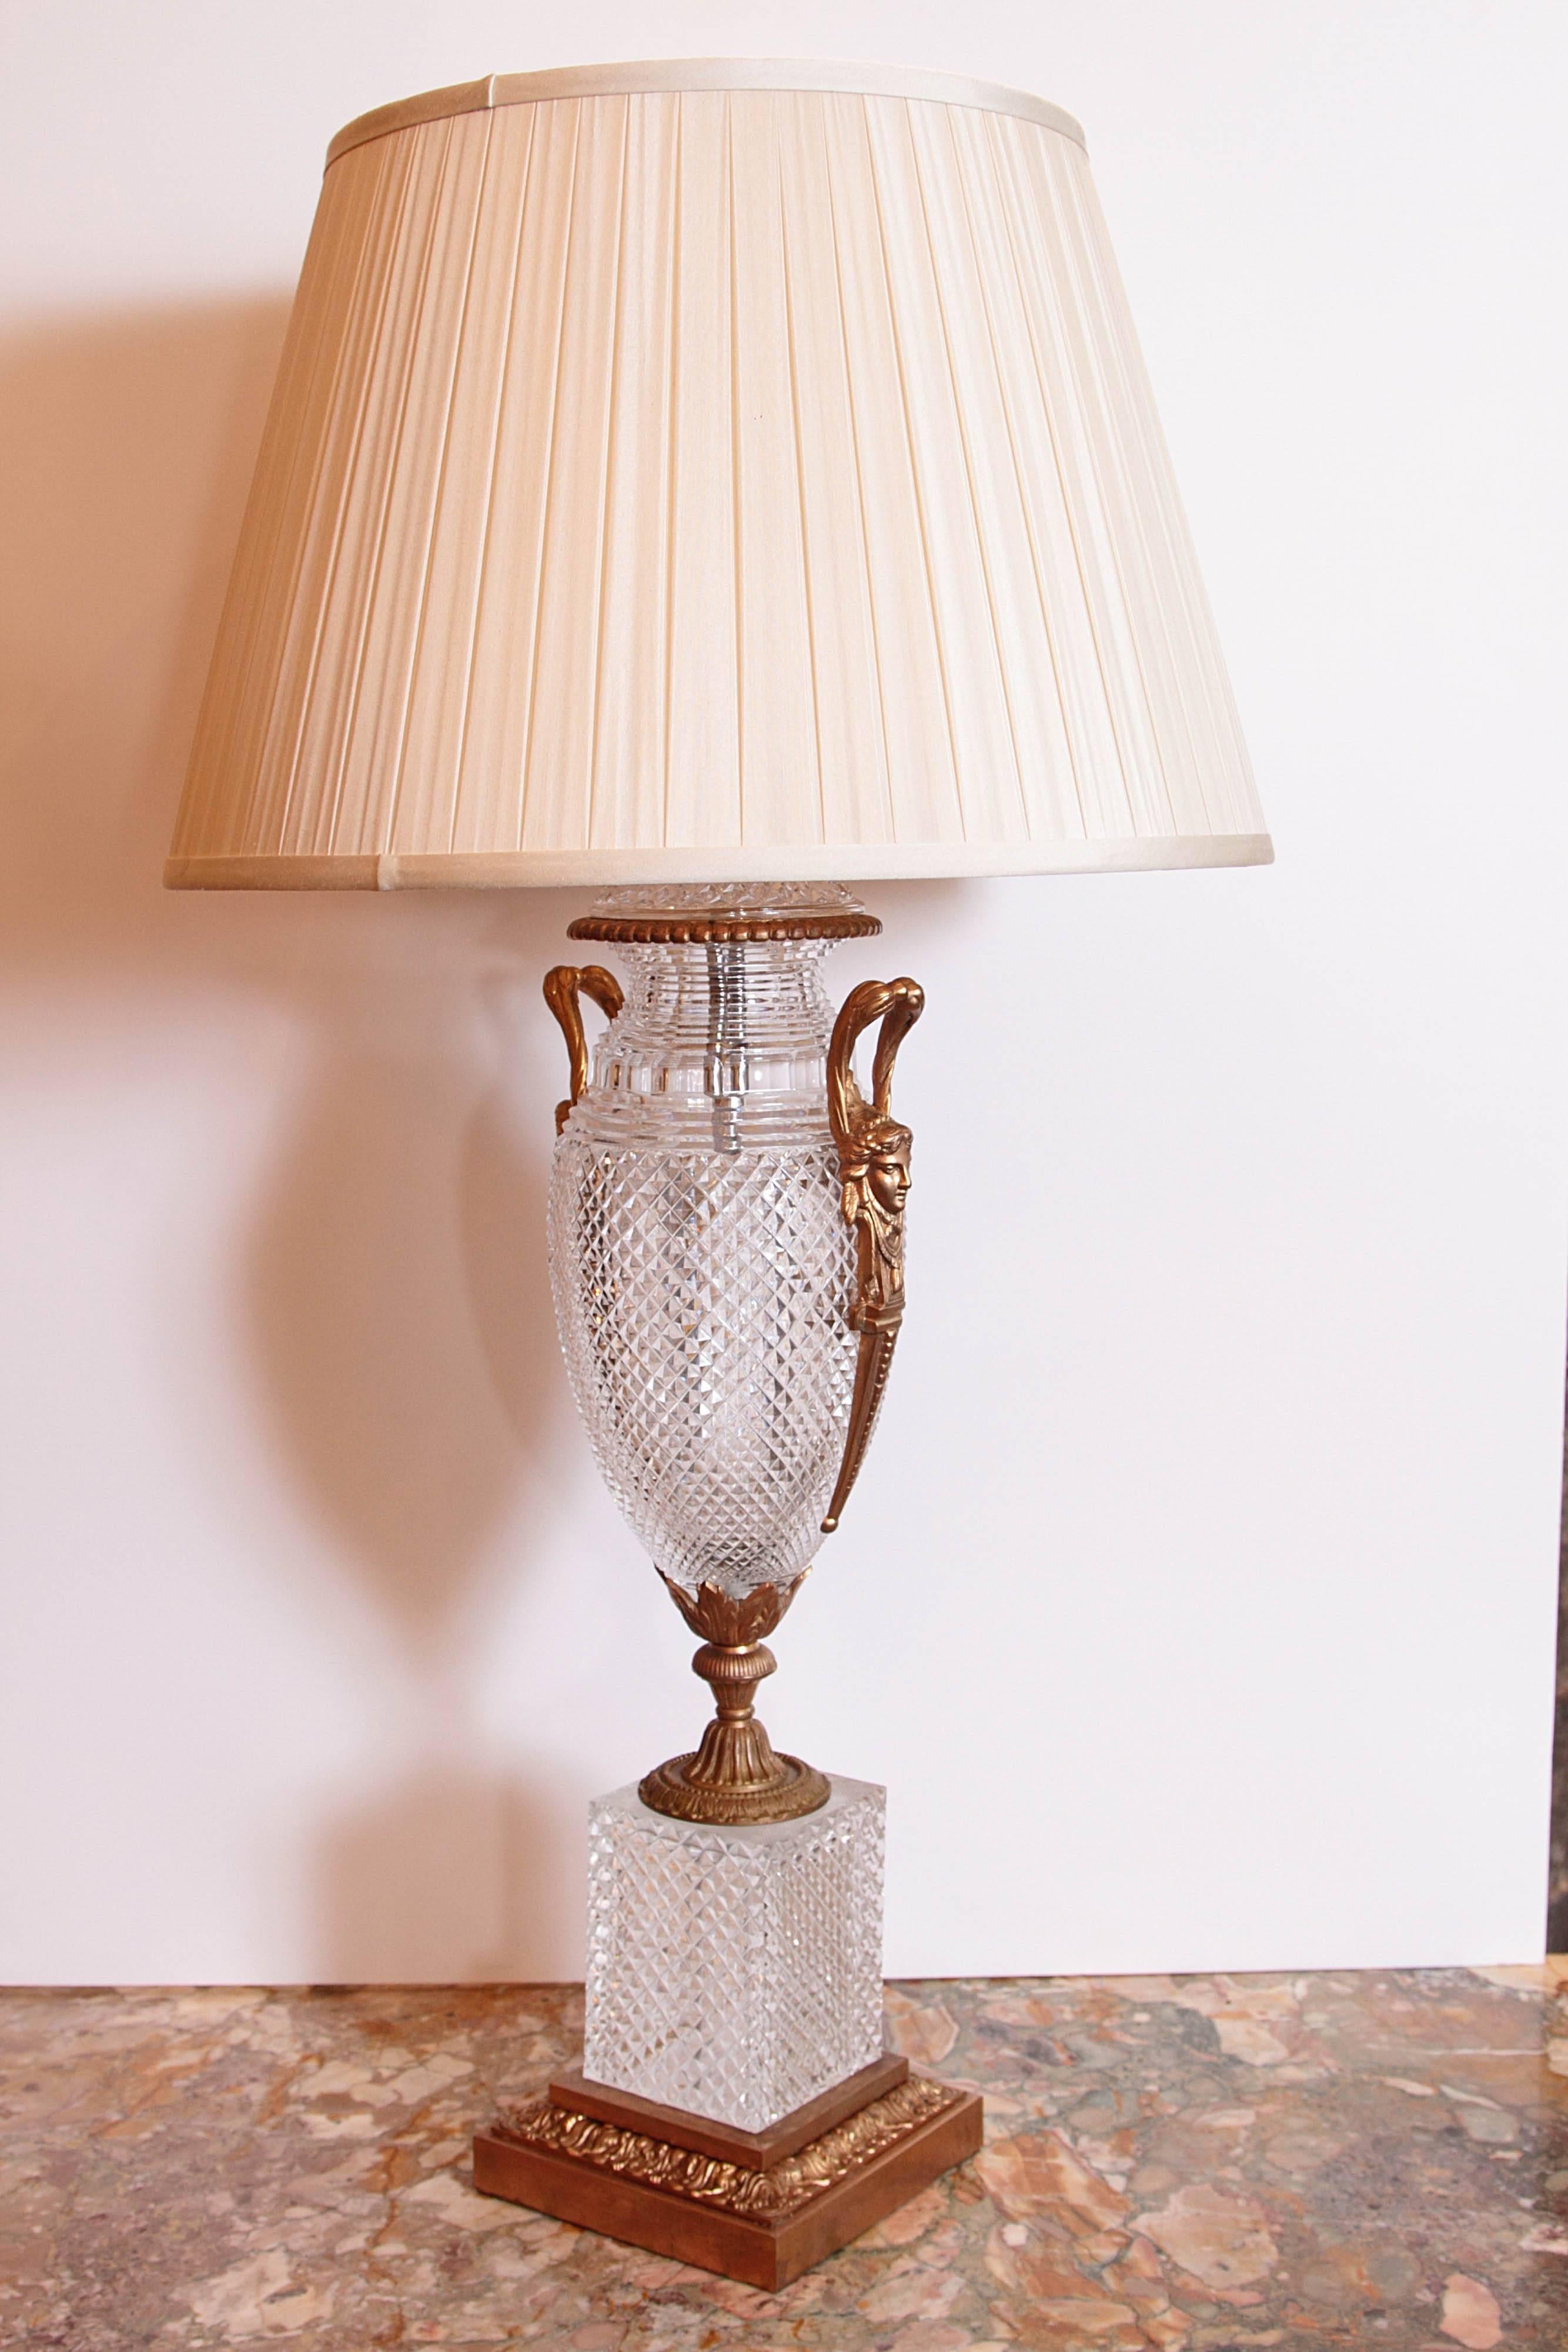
(800, 1789)
(762, 2227)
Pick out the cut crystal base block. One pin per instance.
(734, 1972)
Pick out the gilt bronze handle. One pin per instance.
(563, 985)
(873, 1169)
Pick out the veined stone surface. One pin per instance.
(1192, 2164)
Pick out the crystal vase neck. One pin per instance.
(725, 1042)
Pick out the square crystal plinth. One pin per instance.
(734, 1972)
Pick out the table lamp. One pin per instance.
(714, 484)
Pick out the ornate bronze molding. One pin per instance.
(737, 1775)
(782, 2189)
(704, 928)
(731, 1619)
(873, 1167)
(563, 985)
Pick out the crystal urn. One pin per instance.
(723, 1205)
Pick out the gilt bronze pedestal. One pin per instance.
(763, 2211)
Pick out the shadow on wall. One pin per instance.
(392, 1295)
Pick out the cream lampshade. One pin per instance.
(710, 471)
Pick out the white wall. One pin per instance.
(1198, 1600)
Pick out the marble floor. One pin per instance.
(1216, 2162)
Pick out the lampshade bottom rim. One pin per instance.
(596, 869)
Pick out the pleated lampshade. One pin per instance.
(727, 471)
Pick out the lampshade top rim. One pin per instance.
(832, 75)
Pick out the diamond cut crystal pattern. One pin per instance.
(736, 1973)
(701, 1265)
(703, 1321)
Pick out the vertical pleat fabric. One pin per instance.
(712, 484)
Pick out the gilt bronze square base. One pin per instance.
(763, 2213)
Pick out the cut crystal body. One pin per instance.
(734, 1973)
(701, 1264)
